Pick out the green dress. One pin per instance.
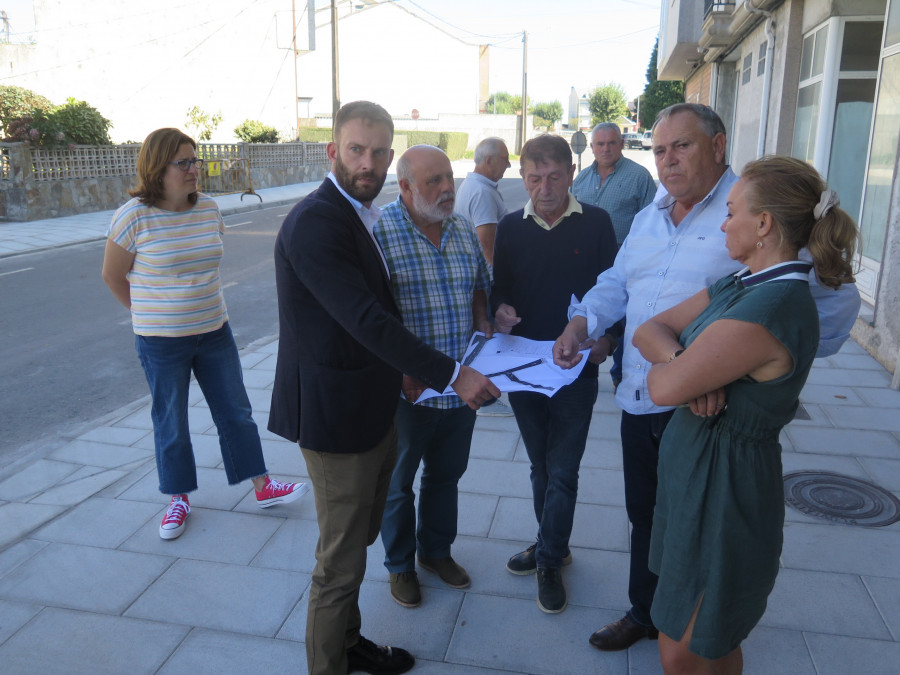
(717, 526)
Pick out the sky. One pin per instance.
(571, 43)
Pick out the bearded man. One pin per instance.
(441, 279)
(342, 348)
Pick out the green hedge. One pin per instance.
(315, 134)
(454, 143)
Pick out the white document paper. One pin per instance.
(516, 364)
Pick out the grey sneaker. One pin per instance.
(524, 563)
(405, 588)
(552, 597)
(450, 571)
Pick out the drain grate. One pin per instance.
(841, 499)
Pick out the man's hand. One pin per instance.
(474, 388)
(708, 404)
(412, 388)
(599, 349)
(565, 350)
(505, 318)
(485, 326)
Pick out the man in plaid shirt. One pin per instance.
(441, 280)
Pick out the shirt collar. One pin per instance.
(368, 214)
(474, 175)
(792, 269)
(573, 207)
(667, 201)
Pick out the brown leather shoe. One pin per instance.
(621, 634)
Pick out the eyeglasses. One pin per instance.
(186, 164)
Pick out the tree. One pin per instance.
(202, 122)
(547, 114)
(658, 94)
(251, 131)
(503, 103)
(607, 103)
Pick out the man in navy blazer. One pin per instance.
(341, 356)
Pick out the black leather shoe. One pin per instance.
(368, 657)
(552, 597)
(621, 634)
(524, 563)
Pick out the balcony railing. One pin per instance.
(717, 7)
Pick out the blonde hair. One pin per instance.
(789, 190)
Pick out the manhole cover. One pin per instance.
(841, 498)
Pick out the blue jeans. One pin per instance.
(213, 358)
(440, 439)
(555, 433)
(641, 436)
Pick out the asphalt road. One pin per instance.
(67, 351)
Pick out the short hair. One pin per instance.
(361, 110)
(789, 190)
(546, 148)
(709, 120)
(607, 126)
(487, 148)
(404, 166)
(157, 150)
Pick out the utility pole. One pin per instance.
(335, 75)
(294, 47)
(524, 88)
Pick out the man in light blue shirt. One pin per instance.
(616, 184)
(478, 198)
(675, 249)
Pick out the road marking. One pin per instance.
(229, 285)
(246, 222)
(24, 269)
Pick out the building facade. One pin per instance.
(818, 80)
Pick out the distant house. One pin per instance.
(579, 111)
(817, 80)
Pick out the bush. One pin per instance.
(73, 122)
(16, 102)
(82, 123)
(251, 131)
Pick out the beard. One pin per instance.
(436, 211)
(350, 181)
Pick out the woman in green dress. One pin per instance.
(735, 358)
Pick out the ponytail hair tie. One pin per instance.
(827, 202)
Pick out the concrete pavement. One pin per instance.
(87, 585)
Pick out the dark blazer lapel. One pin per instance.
(334, 195)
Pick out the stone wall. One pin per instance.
(49, 184)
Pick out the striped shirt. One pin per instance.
(434, 287)
(175, 285)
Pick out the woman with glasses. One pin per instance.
(162, 262)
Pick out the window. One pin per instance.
(761, 61)
(748, 65)
(812, 65)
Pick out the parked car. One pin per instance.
(632, 140)
(647, 140)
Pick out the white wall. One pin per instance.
(144, 65)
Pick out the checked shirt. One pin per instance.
(434, 287)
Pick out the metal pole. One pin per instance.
(524, 88)
(296, 91)
(335, 75)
